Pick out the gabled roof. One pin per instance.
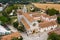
(44, 15)
(25, 24)
(40, 14)
(57, 31)
(28, 17)
(10, 36)
(47, 24)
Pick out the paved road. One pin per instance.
(42, 36)
(38, 36)
(12, 28)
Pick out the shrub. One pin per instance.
(21, 38)
(15, 24)
(52, 12)
(21, 28)
(54, 36)
(58, 20)
(39, 21)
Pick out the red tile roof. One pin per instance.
(10, 36)
(28, 17)
(44, 15)
(57, 31)
(25, 24)
(47, 24)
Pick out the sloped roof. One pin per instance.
(27, 16)
(47, 24)
(25, 24)
(10, 36)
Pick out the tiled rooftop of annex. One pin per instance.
(47, 24)
(25, 24)
(10, 36)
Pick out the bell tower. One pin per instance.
(24, 9)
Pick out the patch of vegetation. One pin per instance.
(10, 8)
(21, 38)
(20, 28)
(15, 24)
(19, 1)
(34, 9)
(5, 20)
(52, 12)
(58, 20)
(53, 36)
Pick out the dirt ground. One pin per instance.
(45, 6)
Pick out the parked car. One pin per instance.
(6, 27)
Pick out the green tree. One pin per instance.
(5, 14)
(9, 9)
(52, 12)
(14, 38)
(15, 24)
(21, 27)
(54, 36)
(4, 19)
(21, 38)
(58, 20)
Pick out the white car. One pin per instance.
(3, 31)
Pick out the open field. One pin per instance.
(45, 6)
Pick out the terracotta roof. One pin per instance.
(28, 17)
(44, 15)
(33, 12)
(40, 14)
(25, 24)
(10, 36)
(47, 24)
(36, 15)
(57, 31)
